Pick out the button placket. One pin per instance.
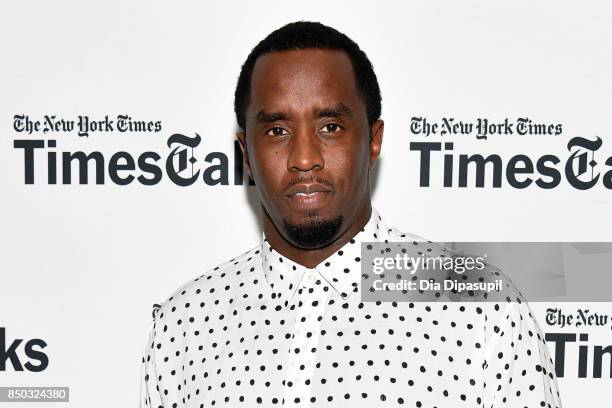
(301, 358)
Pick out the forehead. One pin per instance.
(301, 79)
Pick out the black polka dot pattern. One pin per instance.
(261, 330)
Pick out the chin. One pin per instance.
(314, 231)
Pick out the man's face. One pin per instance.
(308, 145)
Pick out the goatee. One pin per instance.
(315, 233)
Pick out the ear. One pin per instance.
(241, 136)
(376, 138)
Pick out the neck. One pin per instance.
(313, 257)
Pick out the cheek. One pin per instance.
(268, 167)
(350, 164)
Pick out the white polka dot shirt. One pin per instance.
(261, 330)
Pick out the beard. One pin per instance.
(315, 233)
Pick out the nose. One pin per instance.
(305, 152)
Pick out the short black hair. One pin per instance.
(305, 34)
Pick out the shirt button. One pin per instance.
(312, 277)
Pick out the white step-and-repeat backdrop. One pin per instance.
(84, 255)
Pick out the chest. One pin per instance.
(320, 350)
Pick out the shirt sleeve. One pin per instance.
(149, 389)
(518, 370)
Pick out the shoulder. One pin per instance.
(395, 235)
(210, 284)
(413, 244)
(388, 233)
(462, 276)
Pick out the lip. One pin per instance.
(308, 195)
(307, 188)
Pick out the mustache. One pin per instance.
(313, 179)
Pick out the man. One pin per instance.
(284, 323)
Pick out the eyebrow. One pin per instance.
(332, 111)
(267, 117)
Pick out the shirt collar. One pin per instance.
(341, 271)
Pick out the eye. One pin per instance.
(277, 131)
(331, 128)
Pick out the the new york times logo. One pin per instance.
(181, 164)
(581, 169)
(14, 352)
(594, 360)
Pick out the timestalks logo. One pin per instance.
(180, 165)
(581, 168)
(564, 341)
(10, 352)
